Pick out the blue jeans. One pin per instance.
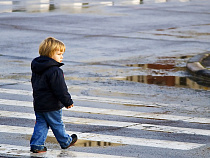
(44, 120)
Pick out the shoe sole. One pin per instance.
(38, 151)
(70, 145)
(41, 151)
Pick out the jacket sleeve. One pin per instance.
(59, 88)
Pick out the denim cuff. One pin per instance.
(37, 147)
(66, 144)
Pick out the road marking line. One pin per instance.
(117, 112)
(169, 129)
(131, 125)
(142, 115)
(7, 149)
(94, 99)
(112, 139)
(90, 98)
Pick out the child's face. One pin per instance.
(58, 56)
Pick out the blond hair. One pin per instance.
(49, 46)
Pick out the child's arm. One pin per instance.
(59, 88)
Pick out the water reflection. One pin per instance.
(162, 79)
(167, 81)
(81, 143)
(70, 6)
(85, 143)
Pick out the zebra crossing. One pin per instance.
(14, 149)
(23, 151)
(148, 127)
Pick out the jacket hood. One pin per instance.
(42, 63)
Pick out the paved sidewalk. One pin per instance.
(199, 66)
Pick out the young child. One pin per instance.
(50, 95)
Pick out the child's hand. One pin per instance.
(70, 106)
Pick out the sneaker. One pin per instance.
(74, 139)
(39, 150)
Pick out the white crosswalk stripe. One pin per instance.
(86, 98)
(93, 99)
(131, 125)
(158, 143)
(9, 81)
(117, 112)
(23, 151)
(112, 139)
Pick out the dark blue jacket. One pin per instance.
(50, 92)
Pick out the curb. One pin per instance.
(195, 67)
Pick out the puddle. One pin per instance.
(32, 6)
(85, 143)
(175, 81)
(82, 143)
(166, 71)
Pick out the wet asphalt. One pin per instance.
(135, 50)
